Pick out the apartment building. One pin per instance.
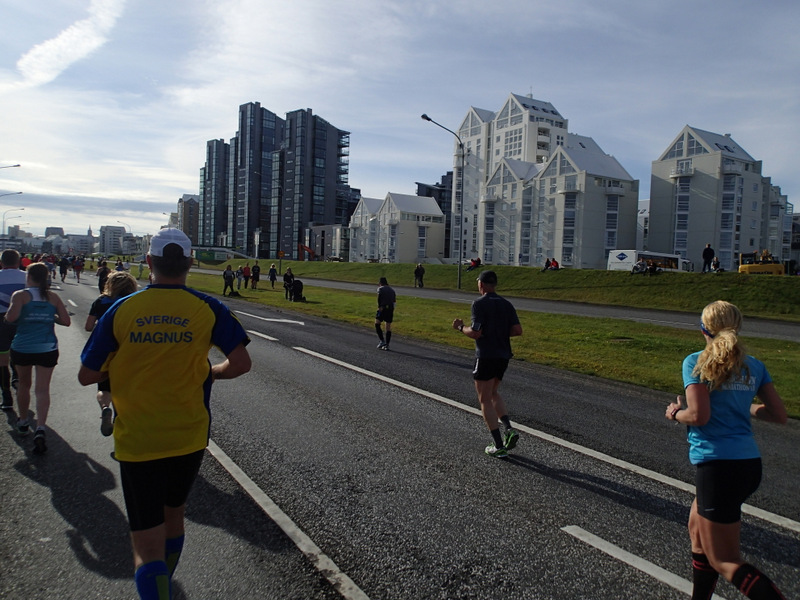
(706, 189)
(521, 205)
(410, 229)
(364, 230)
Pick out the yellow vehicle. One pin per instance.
(751, 262)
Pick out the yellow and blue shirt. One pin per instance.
(154, 345)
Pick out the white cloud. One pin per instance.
(46, 61)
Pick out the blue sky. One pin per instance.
(107, 104)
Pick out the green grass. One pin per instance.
(637, 353)
(763, 296)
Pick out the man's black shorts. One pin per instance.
(489, 368)
(385, 314)
(723, 485)
(151, 485)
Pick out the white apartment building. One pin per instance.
(521, 205)
(410, 229)
(706, 189)
(364, 230)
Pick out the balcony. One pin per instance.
(614, 190)
(732, 167)
(567, 188)
(682, 172)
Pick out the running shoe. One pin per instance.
(381, 345)
(510, 439)
(107, 421)
(39, 445)
(493, 450)
(22, 427)
(385, 347)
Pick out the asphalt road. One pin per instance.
(338, 470)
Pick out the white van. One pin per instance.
(623, 260)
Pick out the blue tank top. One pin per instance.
(36, 326)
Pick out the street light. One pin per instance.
(10, 194)
(461, 240)
(9, 167)
(3, 231)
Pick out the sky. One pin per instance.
(107, 104)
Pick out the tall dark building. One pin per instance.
(309, 181)
(274, 180)
(213, 209)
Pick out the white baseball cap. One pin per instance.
(167, 236)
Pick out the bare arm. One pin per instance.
(18, 300)
(698, 406)
(87, 376)
(236, 363)
(466, 329)
(62, 316)
(772, 408)
(515, 330)
(90, 323)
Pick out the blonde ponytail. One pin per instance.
(724, 356)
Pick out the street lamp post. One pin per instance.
(6, 212)
(9, 166)
(460, 195)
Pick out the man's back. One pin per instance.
(494, 316)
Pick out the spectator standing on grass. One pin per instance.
(246, 274)
(255, 276)
(708, 257)
(494, 323)
(419, 273)
(288, 282)
(155, 346)
(227, 280)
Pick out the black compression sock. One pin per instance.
(388, 337)
(379, 331)
(754, 584)
(506, 421)
(498, 439)
(704, 577)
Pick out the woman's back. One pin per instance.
(36, 325)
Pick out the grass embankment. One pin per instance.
(646, 355)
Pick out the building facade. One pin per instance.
(410, 229)
(309, 181)
(364, 231)
(521, 204)
(213, 208)
(189, 216)
(706, 189)
(442, 192)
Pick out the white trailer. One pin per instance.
(623, 260)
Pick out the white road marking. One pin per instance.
(634, 561)
(340, 582)
(686, 487)
(72, 303)
(238, 312)
(262, 335)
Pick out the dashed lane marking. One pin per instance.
(238, 312)
(637, 562)
(262, 335)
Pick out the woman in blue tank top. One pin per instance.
(35, 310)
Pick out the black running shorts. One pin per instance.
(151, 485)
(7, 332)
(489, 368)
(723, 485)
(385, 314)
(38, 359)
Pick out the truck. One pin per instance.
(759, 264)
(623, 260)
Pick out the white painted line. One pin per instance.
(636, 562)
(327, 568)
(238, 312)
(72, 303)
(262, 335)
(675, 483)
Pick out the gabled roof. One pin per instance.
(581, 141)
(537, 105)
(522, 169)
(720, 143)
(417, 205)
(594, 163)
(485, 115)
(372, 205)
